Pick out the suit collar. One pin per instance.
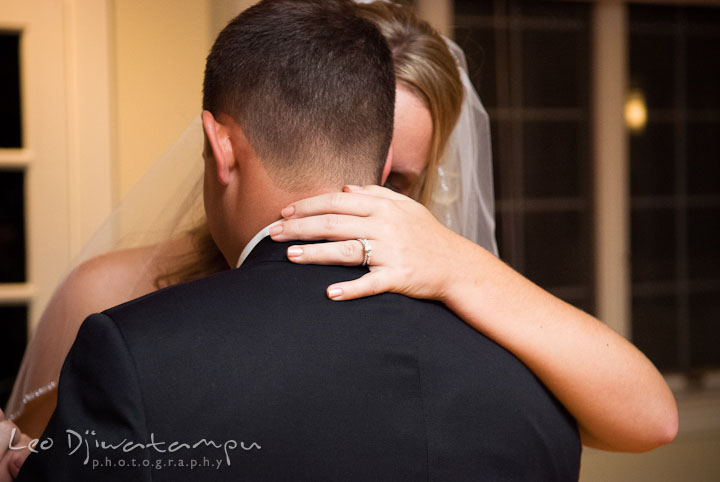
(269, 250)
(262, 234)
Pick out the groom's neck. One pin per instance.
(261, 206)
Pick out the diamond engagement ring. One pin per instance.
(367, 249)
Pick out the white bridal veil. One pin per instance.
(464, 198)
(164, 203)
(167, 200)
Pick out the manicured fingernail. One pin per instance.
(335, 292)
(275, 230)
(294, 251)
(352, 187)
(288, 211)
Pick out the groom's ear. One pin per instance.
(388, 166)
(218, 140)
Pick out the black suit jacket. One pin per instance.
(254, 375)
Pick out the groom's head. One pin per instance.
(298, 98)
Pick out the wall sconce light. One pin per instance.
(636, 111)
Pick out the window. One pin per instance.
(675, 186)
(14, 326)
(54, 152)
(10, 124)
(13, 317)
(529, 62)
(12, 226)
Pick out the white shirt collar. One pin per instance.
(264, 233)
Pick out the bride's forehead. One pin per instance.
(413, 131)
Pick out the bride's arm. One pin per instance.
(620, 400)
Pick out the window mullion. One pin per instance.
(612, 270)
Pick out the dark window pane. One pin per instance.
(585, 304)
(703, 158)
(703, 64)
(652, 160)
(674, 48)
(501, 132)
(479, 48)
(655, 330)
(474, 7)
(557, 249)
(13, 320)
(704, 330)
(501, 219)
(12, 227)
(652, 68)
(703, 17)
(653, 14)
(653, 245)
(553, 159)
(10, 120)
(529, 61)
(553, 10)
(554, 68)
(495, 140)
(704, 244)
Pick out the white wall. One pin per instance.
(159, 52)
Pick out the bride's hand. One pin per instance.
(11, 459)
(412, 253)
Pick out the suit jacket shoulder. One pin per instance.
(381, 388)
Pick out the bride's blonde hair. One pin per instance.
(423, 63)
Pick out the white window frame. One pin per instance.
(65, 57)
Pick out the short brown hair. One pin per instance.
(312, 85)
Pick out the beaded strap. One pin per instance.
(29, 397)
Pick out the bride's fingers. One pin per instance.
(331, 227)
(343, 253)
(377, 191)
(8, 433)
(332, 203)
(373, 283)
(17, 458)
(16, 463)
